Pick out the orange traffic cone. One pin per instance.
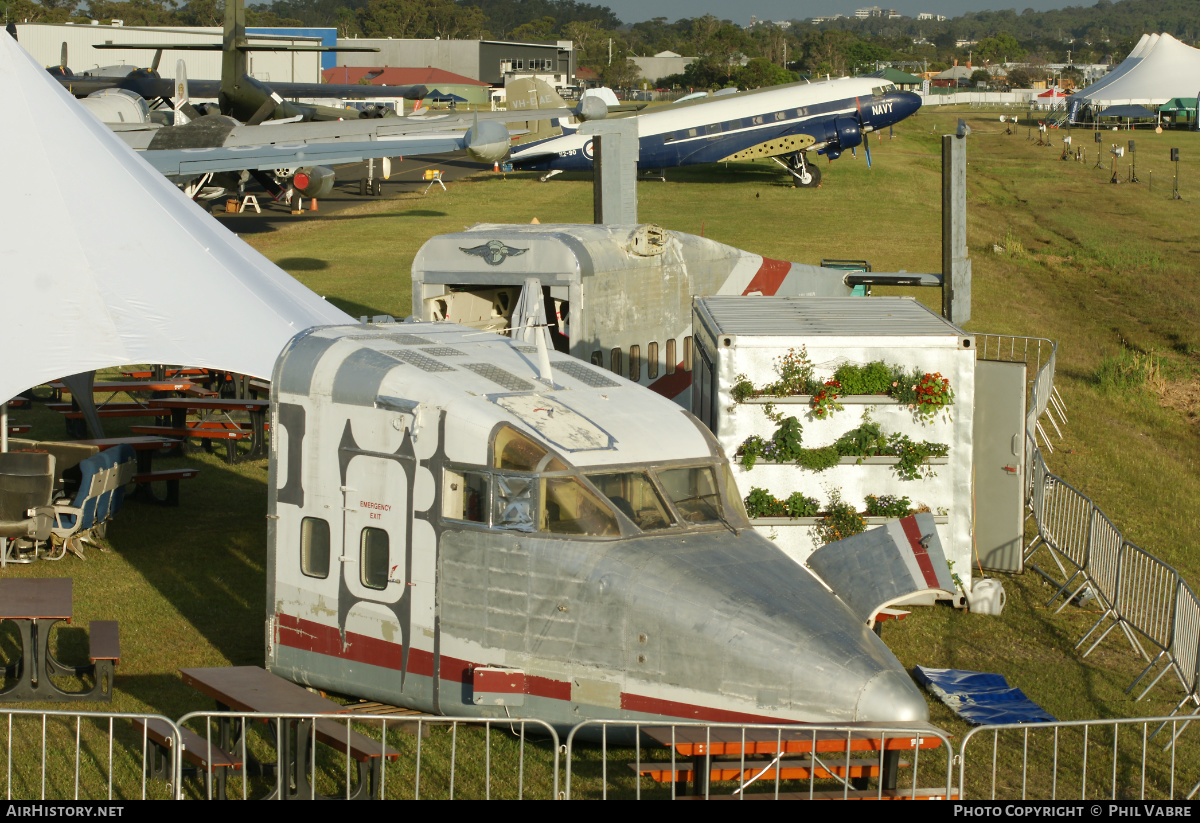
(312, 204)
(496, 166)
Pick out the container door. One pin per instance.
(999, 463)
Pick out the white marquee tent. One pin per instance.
(1158, 69)
(105, 263)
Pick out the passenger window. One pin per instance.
(465, 496)
(671, 363)
(780, 115)
(314, 547)
(373, 558)
(757, 120)
(691, 132)
(572, 508)
(687, 353)
(669, 137)
(635, 363)
(614, 363)
(652, 361)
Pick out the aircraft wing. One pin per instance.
(191, 162)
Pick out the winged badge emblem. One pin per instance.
(494, 252)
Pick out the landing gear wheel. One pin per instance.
(362, 187)
(808, 177)
(377, 188)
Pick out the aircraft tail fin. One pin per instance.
(530, 94)
(185, 112)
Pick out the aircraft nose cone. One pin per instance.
(891, 696)
(908, 104)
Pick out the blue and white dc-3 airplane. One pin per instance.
(781, 122)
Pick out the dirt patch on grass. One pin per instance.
(1182, 396)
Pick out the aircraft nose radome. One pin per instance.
(891, 696)
(910, 102)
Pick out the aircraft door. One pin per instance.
(375, 551)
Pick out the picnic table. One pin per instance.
(76, 414)
(145, 448)
(35, 604)
(214, 422)
(848, 755)
(253, 689)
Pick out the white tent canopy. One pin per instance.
(1158, 69)
(105, 263)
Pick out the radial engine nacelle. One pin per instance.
(840, 134)
(314, 182)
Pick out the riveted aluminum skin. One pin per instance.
(706, 622)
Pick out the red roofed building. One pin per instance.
(445, 83)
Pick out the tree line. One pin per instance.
(728, 54)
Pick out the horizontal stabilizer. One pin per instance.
(788, 144)
(898, 560)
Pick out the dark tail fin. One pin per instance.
(233, 62)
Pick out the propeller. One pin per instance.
(862, 128)
(265, 110)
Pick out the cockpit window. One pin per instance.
(886, 88)
(635, 496)
(572, 508)
(694, 493)
(516, 452)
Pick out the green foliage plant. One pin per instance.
(761, 503)
(888, 505)
(840, 521)
(873, 378)
(824, 402)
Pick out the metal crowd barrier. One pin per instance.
(418, 757)
(1115, 760)
(592, 777)
(82, 755)
(1138, 592)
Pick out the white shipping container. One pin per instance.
(740, 338)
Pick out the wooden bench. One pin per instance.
(104, 649)
(207, 758)
(791, 769)
(111, 410)
(202, 431)
(361, 748)
(852, 794)
(169, 476)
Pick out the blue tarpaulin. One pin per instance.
(981, 698)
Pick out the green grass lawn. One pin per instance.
(1109, 271)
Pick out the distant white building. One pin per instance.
(927, 16)
(661, 65)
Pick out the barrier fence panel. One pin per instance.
(64, 755)
(612, 759)
(1065, 528)
(359, 755)
(1146, 599)
(1075, 760)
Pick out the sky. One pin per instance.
(635, 11)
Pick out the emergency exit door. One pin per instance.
(999, 464)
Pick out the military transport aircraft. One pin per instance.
(240, 95)
(827, 117)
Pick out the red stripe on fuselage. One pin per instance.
(320, 638)
(769, 277)
(672, 385)
(913, 533)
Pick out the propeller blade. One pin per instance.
(154, 62)
(265, 110)
(867, 149)
(63, 56)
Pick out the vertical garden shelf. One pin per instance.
(744, 338)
